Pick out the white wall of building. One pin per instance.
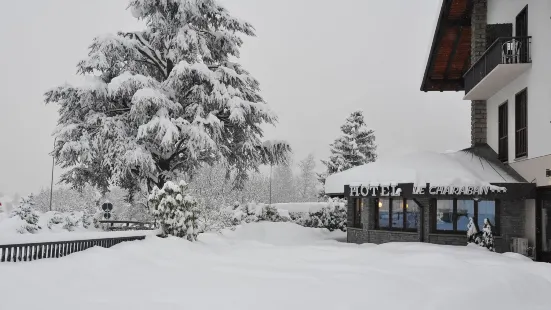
(537, 79)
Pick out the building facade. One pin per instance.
(496, 52)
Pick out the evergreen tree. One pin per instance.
(283, 188)
(163, 101)
(307, 179)
(355, 147)
(488, 235)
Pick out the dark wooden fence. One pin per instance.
(33, 251)
(128, 225)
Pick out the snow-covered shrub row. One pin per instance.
(332, 216)
(175, 210)
(253, 212)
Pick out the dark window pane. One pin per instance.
(384, 213)
(465, 210)
(412, 214)
(397, 213)
(486, 209)
(444, 215)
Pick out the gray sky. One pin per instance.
(316, 60)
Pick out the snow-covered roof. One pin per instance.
(461, 168)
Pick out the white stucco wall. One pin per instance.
(537, 79)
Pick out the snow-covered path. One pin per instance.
(276, 266)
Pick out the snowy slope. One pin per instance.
(276, 266)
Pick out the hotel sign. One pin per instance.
(394, 190)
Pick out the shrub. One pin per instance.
(71, 221)
(30, 217)
(175, 210)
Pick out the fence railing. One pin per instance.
(34, 251)
(127, 225)
(512, 50)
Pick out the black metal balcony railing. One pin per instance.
(511, 50)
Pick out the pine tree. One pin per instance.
(307, 179)
(283, 188)
(164, 101)
(355, 147)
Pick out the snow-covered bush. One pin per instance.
(253, 212)
(87, 219)
(488, 235)
(72, 221)
(473, 234)
(175, 210)
(484, 238)
(56, 219)
(213, 219)
(29, 216)
(332, 217)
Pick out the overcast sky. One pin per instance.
(316, 60)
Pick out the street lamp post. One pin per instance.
(52, 182)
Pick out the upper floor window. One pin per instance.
(521, 124)
(503, 129)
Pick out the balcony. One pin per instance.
(504, 61)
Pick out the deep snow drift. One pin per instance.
(277, 266)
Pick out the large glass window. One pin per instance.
(486, 209)
(465, 210)
(444, 215)
(453, 215)
(412, 214)
(397, 214)
(384, 213)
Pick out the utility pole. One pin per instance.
(52, 182)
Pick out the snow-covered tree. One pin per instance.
(488, 235)
(355, 147)
(283, 184)
(307, 179)
(164, 100)
(175, 210)
(473, 235)
(27, 212)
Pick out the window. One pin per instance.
(384, 213)
(412, 214)
(453, 215)
(503, 148)
(486, 209)
(358, 207)
(521, 124)
(397, 214)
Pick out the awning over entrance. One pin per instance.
(477, 166)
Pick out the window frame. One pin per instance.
(404, 218)
(521, 124)
(455, 231)
(503, 132)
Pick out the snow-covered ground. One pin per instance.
(276, 266)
